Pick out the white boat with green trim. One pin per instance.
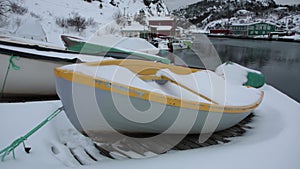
(26, 69)
(134, 96)
(116, 50)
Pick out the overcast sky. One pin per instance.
(289, 2)
(174, 4)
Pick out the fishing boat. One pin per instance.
(26, 69)
(134, 96)
(117, 47)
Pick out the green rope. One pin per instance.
(11, 148)
(12, 65)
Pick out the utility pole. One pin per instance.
(228, 5)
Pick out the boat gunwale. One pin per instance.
(116, 87)
(29, 55)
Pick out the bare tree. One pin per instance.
(118, 17)
(4, 7)
(17, 8)
(140, 18)
(76, 21)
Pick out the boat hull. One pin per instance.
(94, 110)
(34, 77)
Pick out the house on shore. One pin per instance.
(252, 29)
(157, 26)
(163, 25)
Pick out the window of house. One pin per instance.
(258, 27)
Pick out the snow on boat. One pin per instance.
(134, 96)
(26, 69)
(29, 43)
(117, 47)
(137, 44)
(131, 43)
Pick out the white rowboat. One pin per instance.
(134, 96)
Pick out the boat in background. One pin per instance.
(125, 95)
(178, 44)
(161, 44)
(114, 47)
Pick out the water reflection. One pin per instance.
(244, 55)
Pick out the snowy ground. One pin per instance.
(40, 21)
(272, 143)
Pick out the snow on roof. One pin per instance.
(163, 28)
(134, 28)
(253, 23)
(281, 8)
(240, 24)
(243, 11)
(165, 18)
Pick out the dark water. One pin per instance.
(278, 61)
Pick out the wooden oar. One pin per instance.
(158, 79)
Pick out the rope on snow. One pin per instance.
(6, 151)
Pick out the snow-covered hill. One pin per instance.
(98, 15)
(47, 19)
(216, 14)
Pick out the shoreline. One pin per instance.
(250, 38)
